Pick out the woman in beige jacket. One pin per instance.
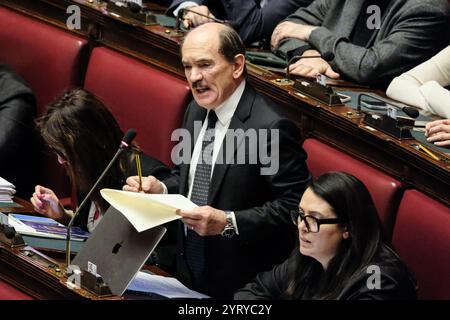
(423, 87)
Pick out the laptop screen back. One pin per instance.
(117, 251)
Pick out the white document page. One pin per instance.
(145, 211)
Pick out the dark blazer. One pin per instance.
(18, 155)
(254, 23)
(396, 281)
(411, 31)
(261, 202)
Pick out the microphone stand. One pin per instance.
(123, 146)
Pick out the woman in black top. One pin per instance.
(85, 136)
(341, 253)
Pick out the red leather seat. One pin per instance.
(385, 190)
(422, 238)
(140, 97)
(49, 59)
(8, 292)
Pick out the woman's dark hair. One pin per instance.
(84, 132)
(352, 203)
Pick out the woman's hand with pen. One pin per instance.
(47, 203)
(149, 185)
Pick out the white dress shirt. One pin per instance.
(224, 114)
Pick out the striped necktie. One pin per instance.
(195, 247)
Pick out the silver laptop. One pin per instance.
(116, 251)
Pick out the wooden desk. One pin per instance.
(41, 273)
(25, 207)
(159, 47)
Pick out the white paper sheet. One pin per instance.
(145, 211)
(164, 286)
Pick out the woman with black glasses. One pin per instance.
(341, 254)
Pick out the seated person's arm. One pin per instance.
(191, 19)
(413, 37)
(288, 37)
(256, 23)
(268, 285)
(47, 203)
(423, 86)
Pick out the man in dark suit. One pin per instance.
(247, 170)
(17, 135)
(255, 19)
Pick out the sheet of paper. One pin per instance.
(164, 286)
(145, 211)
(139, 2)
(5, 183)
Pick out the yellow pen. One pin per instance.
(429, 152)
(139, 170)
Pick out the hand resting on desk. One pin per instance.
(438, 132)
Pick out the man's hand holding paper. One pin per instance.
(145, 211)
(204, 220)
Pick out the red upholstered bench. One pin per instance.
(140, 97)
(48, 58)
(385, 190)
(422, 238)
(8, 292)
(50, 61)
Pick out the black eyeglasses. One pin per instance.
(312, 223)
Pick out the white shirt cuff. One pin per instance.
(165, 191)
(233, 219)
(183, 5)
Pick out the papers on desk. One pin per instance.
(164, 286)
(145, 211)
(44, 227)
(7, 191)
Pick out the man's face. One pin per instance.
(211, 77)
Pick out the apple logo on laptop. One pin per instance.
(117, 247)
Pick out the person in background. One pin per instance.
(423, 86)
(241, 225)
(85, 136)
(17, 134)
(254, 19)
(372, 41)
(341, 254)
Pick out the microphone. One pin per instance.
(181, 12)
(327, 56)
(409, 111)
(124, 144)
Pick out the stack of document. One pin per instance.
(7, 191)
(44, 227)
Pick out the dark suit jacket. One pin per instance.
(254, 23)
(396, 281)
(411, 31)
(261, 202)
(18, 155)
